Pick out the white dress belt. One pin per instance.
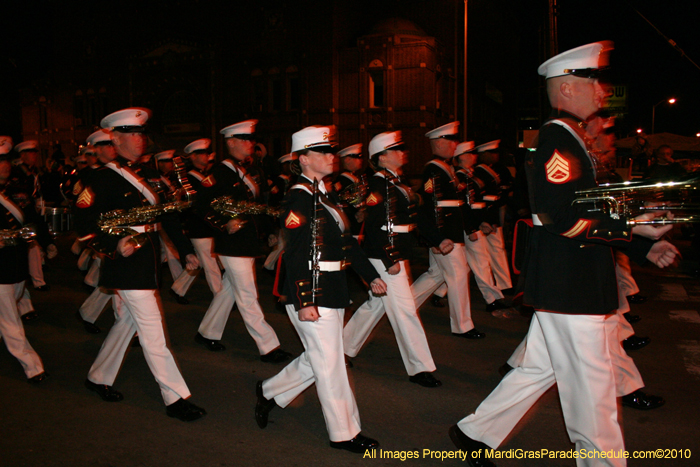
(401, 228)
(330, 266)
(450, 203)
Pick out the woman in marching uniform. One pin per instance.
(388, 243)
(316, 301)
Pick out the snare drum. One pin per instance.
(59, 220)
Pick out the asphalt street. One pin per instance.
(61, 423)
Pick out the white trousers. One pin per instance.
(169, 253)
(36, 272)
(204, 248)
(627, 376)
(623, 271)
(140, 311)
(323, 363)
(12, 331)
(25, 305)
(238, 286)
(84, 258)
(400, 308)
(572, 351)
(478, 259)
(498, 259)
(92, 307)
(453, 270)
(92, 278)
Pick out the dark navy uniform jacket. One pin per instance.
(473, 210)
(440, 181)
(337, 245)
(222, 181)
(195, 226)
(108, 191)
(14, 263)
(570, 262)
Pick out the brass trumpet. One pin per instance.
(634, 198)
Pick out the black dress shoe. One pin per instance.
(276, 356)
(496, 305)
(359, 444)
(31, 316)
(632, 318)
(262, 406)
(425, 379)
(179, 298)
(105, 392)
(473, 334)
(184, 410)
(38, 379)
(42, 288)
(436, 301)
(635, 343)
(636, 298)
(89, 327)
(505, 369)
(471, 448)
(214, 346)
(641, 401)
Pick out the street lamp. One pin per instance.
(653, 111)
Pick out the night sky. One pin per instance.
(643, 60)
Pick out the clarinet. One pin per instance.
(388, 205)
(316, 239)
(436, 202)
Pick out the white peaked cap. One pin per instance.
(448, 129)
(99, 136)
(198, 145)
(131, 117)
(313, 136)
(384, 141)
(27, 145)
(490, 146)
(165, 155)
(591, 57)
(246, 127)
(466, 146)
(354, 150)
(287, 158)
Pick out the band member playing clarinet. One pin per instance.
(319, 246)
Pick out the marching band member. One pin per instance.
(236, 243)
(131, 270)
(389, 224)
(200, 232)
(442, 210)
(316, 287)
(351, 178)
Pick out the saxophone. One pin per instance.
(120, 222)
(231, 207)
(11, 237)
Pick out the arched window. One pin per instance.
(376, 83)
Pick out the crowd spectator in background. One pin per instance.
(665, 168)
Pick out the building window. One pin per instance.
(376, 84)
(276, 89)
(293, 91)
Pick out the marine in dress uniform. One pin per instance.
(497, 184)
(317, 315)
(91, 309)
(200, 232)
(350, 181)
(283, 181)
(473, 211)
(570, 279)
(236, 243)
(26, 181)
(442, 210)
(14, 271)
(389, 238)
(133, 271)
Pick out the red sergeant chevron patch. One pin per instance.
(372, 200)
(558, 169)
(209, 181)
(428, 187)
(86, 198)
(292, 221)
